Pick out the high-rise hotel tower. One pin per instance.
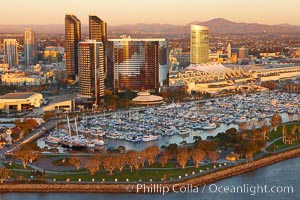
(72, 37)
(91, 70)
(137, 64)
(97, 29)
(199, 44)
(98, 32)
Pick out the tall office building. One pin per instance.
(137, 64)
(72, 37)
(229, 51)
(243, 53)
(30, 47)
(10, 56)
(91, 70)
(199, 44)
(97, 29)
(235, 51)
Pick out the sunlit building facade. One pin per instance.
(97, 29)
(91, 70)
(243, 53)
(98, 32)
(137, 64)
(199, 44)
(53, 54)
(10, 56)
(30, 47)
(72, 37)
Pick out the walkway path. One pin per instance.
(46, 164)
(36, 133)
(270, 143)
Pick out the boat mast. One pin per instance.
(76, 128)
(69, 128)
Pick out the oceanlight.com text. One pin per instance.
(251, 189)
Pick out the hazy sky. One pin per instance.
(178, 12)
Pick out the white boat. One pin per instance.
(133, 138)
(241, 120)
(98, 142)
(184, 131)
(112, 136)
(209, 126)
(170, 132)
(52, 140)
(148, 138)
(261, 116)
(292, 111)
(268, 115)
(90, 145)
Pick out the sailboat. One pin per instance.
(77, 142)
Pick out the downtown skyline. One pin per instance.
(163, 12)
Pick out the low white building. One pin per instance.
(64, 103)
(20, 79)
(20, 101)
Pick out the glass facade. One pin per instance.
(134, 64)
(199, 44)
(30, 47)
(97, 29)
(98, 32)
(10, 56)
(72, 37)
(91, 70)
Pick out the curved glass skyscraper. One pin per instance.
(72, 37)
(199, 44)
(97, 29)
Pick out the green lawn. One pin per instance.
(141, 174)
(280, 145)
(276, 134)
(25, 174)
(154, 172)
(15, 166)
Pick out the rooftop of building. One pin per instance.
(199, 27)
(146, 98)
(62, 98)
(89, 41)
(208, 67)
(138, 39)
(17, 95)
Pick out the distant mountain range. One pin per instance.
(217, 25)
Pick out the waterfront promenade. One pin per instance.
(214, 175)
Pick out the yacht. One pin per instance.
(98, 142)
(148, 138)
(52, 140)
(184, 131)
(240, 120)
(209, 126)
(90, 144)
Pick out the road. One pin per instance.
(32, 136)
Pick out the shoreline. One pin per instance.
(123, 187)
